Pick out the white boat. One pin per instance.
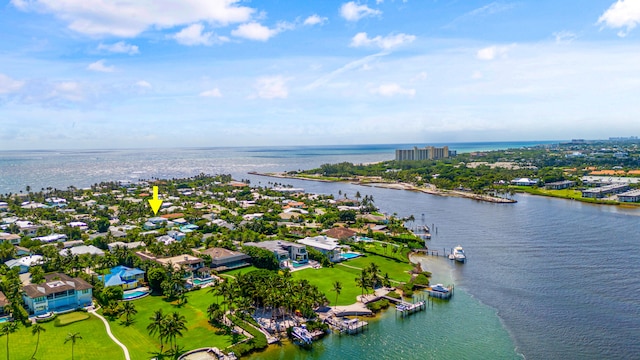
(458, 254)
(439, 288)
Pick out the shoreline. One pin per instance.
(431, 190)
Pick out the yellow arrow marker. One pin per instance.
(155, 202)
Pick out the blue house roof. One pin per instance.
(117, 273)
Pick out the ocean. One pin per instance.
(545, 278)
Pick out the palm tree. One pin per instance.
(36, 330)
(214, 312)
(73, 337)
(128, 310)
(7, 329)
(174, 326)
(337, 287)
(156, 326)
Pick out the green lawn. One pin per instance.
(377, 248)
(70, 318)
(397, 270)
(243, 270)
(325, 277)
(200, 333)
(95, 344)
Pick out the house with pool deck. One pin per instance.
(59, 292)
(327, 245)
(224, 259)
(284, 251)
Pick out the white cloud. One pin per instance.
(564, 37)
(354, 12)
(623, 14)
(272, 87)
(390, 90)
(128, 18)
(211, 93)
(100, 66)
(68, 90)
(492, 52)
(422, 76)
(8, 85)
(193, 35)
(258, 32)
(120, 47)
(315, 20)
(477, 75)
(385, 43)
(143, 84)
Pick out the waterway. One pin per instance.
(545, 278)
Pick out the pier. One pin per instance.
(347, 326)
(406, 308)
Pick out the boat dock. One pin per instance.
(406, 308)
(347, 326)
(438, 294)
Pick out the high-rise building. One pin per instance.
(426, 153)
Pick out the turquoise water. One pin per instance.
(462, 328)
(298, 264)
(533, 280)
(348, 255)
(134, 294)
(201, 282)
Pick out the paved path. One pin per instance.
(106, 324)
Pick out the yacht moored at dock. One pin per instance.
(458, 254)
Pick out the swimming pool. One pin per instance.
(202, 281)
(4, 319)
(350, 255)
(134, 294)
(298, 264)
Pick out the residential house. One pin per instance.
(130, 245)
(559, 185)
(4, 302)
(524, 182)
(630, 196)
(155, 223)
(187, 262)
(327, 245)
(25, 263)
(177, 235)
(284, 251)
(12, 238)
(341, 233)
(59, 292)
(51, 238)
(123, 276)
(224, 259)
(83, 249)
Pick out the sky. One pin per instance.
(89, 74)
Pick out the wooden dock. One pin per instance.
(406, 308)
(347, 326)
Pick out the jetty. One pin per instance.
(406, 308)
(346, 325)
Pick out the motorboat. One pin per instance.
(439, 288)
(458, 254)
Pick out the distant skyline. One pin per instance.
(147, 74)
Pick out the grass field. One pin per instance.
(70, 318)
(243, 270)
(94, 345)
(200, 333)
(325, 277)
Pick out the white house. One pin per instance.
(326, 245)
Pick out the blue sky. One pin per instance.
(163, 73)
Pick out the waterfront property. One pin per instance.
(284, 251)
(426, 153)
(559, 185)
(224, 259)
(326, 245)
(630, 196)
(59, 292)
(605, 190)
(123, 276)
